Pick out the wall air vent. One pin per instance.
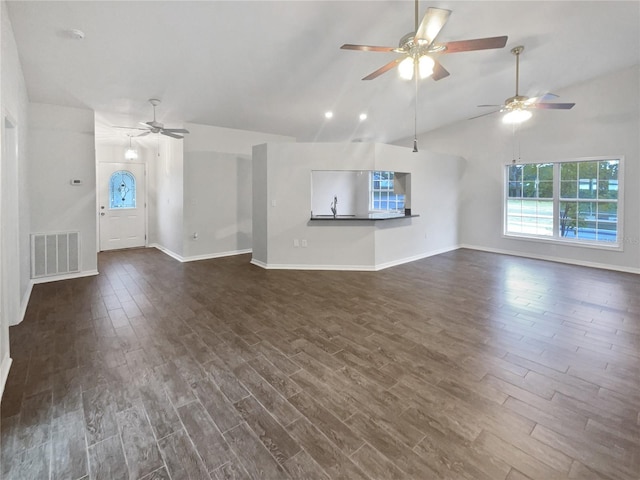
(54, 254)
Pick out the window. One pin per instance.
(382, 196)
(573, 201)
(122, 190)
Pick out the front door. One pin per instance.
(122, 202)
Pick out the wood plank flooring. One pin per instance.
(466, 365)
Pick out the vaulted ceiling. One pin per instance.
(276, 66)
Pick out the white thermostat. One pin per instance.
(76, 182)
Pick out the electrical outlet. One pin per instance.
(304, 243)
(296, 242)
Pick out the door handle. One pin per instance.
(102, 214)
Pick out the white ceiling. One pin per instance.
(276, 66)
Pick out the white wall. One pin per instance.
(353, 244)
(217, 190)
(217, 203)
(260, 208)
(14, 203)
(61, 148)
(166, 181)
(435, 180)
(605, 121)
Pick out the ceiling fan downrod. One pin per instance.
(517, 51)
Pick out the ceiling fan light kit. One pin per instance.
(419, 51)
(516, 116)
(518, 108)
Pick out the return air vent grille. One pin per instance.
(54, 254)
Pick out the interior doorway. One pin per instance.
(122, 205)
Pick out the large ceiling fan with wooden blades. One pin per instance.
(419, 48)
(156, 127)
(518, 108)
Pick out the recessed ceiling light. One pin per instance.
(75, 34)
(363, 116)
(328, 114)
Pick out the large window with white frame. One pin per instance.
(577, 201)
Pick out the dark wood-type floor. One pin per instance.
(466, 365)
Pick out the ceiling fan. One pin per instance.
(418, 48)
(156, 127)
(518, 108)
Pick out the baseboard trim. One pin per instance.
(195, 258)
(5, 366)
(66, 276)
(549, 258)
(351, 268)
(401, 261)
(289, 266)
(24, 303)
(166, 251)
(209, 256)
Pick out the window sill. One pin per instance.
(569, 243)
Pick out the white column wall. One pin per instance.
(166, 191)
(354, 244)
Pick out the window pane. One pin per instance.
(515, 173)
(545, 190)
(529, 189)
(514, 216)
(587, 220)
(568, 219)
(568, 189)
(607, 222)
(530, 172)
(607, 189)
(530, 217)
(587, 188)
(515, 189)
(569, 171)
(608, 169)
(545, 172)
(122, 190)
(588, 178)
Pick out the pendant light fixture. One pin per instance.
(131, 153)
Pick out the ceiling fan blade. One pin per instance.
(147, 124)
(144, 134)
(382, 69)
(483, 114)
(475, 44)
(130, 128)
(553, 106)
(175, 130)
(169, 134)
(542, 98)
(439, 72)
(367, 48)
(431, 24)
(491, 106)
